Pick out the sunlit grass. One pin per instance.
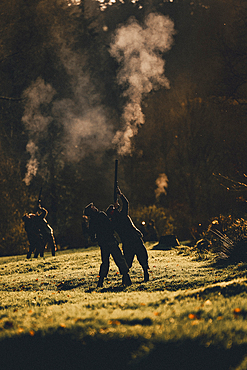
(185, 300)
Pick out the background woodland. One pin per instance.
(62, 102)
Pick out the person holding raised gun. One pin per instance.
(130, 236)
(100, 228)
(39, 232)
(45, 229)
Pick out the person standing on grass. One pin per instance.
(33, 234)
(130, 236)
(100, 228)
(45, 229)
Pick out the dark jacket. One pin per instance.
(122, 222)
(101, 227)
(30, 224)
(41, 221)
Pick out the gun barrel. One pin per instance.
(115, 181)
(38, 200)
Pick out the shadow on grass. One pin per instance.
(110, 289)
(230, 290)
(62, 352)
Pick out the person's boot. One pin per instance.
(146, 276)
(126, 280)
(100, 282)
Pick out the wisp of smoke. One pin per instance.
(162, 185)
(84, 123)
(36, 122)
(138, 50)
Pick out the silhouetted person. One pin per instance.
(101, 228)
(130, 236)
(45, 229)
(33, 234)
(152, 234)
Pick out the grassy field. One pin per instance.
(190, 315)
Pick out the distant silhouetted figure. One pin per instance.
(152, 234)
(130, 236)
(101, 228)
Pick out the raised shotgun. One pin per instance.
(115, 181)
(38, 200)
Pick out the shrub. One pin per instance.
(163, 221)
(226, 237)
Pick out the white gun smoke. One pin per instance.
(37, 95)
(138, 50)
(162, 185)
(86, 124)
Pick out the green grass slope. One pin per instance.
(190, 315)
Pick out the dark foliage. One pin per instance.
(192, 130)
(226, 237)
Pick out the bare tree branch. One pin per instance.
(235, 185)
(9, 98)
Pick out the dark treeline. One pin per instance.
(64, 92)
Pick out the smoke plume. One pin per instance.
(83, 123)
(138, 50)
(37, 95)
(162, 185)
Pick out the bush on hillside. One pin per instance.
(163, 221)
(226, 237)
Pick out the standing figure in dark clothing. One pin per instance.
(45, 229)
(101, 228)
(152, 234)
(130, 236)
(34, 236)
